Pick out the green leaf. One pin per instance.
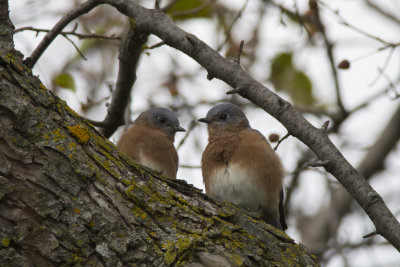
(282, 65)
(285, 77)
(189, 9)
(66, 80)
(302, 90)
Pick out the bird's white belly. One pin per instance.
(148, 162)
(237, 186)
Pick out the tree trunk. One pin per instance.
(68, 196)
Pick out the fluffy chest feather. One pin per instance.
(149, 161)
(237, 185)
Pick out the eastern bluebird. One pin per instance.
(239, 165)
(150, 140)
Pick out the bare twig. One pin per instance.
(391, 85)
(229, 29)
(79, 35)
(324, 126)
(91, 102)
(294, 15)
(76, 47)
(281, 140)
(374, 233)
(51, 35)
(157, 45)
(329, 51)
(388, 44)
(383, 68)
(192, 125)
(382, 12)
(237, 60)
(346, 23)
(372, 98)
(300, 167)
(316, 20)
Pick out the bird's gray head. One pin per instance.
(224, 115)
(163, 119)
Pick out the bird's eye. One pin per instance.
(161, 119)
(223, 116)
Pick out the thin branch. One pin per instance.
(382, 12)
(91, 102)
(192, 125)
(374, 233)
(388, 44)
(360, 31)
(369, 100)
(229, 29)
(383, 68)
(237, 60)
(324, 127)
(374, 97)
(76, 47)
(79, 35)
(300, 167)
(129, 54)
(329, 51)
(157, 45)
(281, 140)
(57, 29)
(391, 85)
(316, 20)
(302, 20)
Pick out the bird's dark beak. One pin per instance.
(179, 129)
(205, 120)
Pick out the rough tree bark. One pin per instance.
(69, 197)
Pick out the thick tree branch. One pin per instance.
(159, 24)
(6, 28)
(129, 54)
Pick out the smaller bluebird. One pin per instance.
(239, 165)
(150, 140)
